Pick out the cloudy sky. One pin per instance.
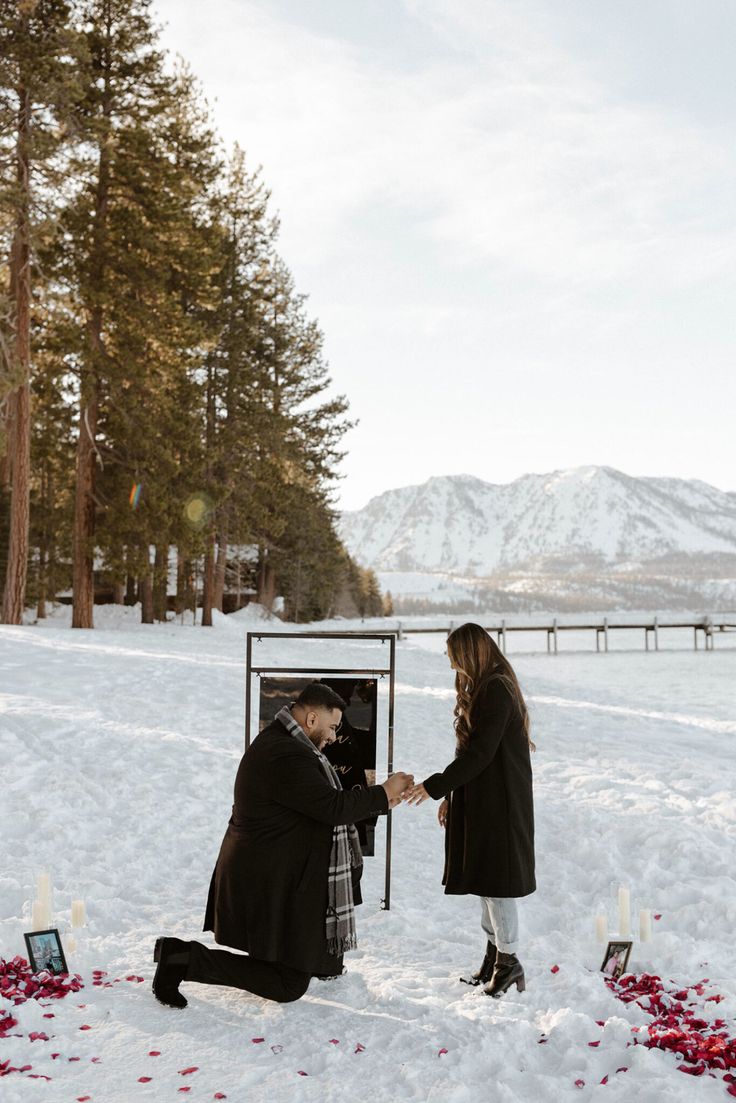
(514, 219)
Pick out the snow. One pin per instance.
(119, 751)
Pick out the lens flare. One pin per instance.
(135, 495)
(197, 510)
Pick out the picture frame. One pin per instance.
(45, 951)
(616, 958)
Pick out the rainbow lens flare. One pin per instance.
(135, 495)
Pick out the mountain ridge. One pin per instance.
(594, 513)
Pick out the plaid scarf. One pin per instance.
(345, 856)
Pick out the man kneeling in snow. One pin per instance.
(287, 876)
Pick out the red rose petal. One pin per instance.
(555, 969)
(145, 1079)
(49, 1015)
(579, 1083)
(154, 1053)
(188, 1071)
(360, 1048)
(256, 1041)
(85, 1027)
(334, 1041)
(83, 1098)
(219, 1095)
(593, 1044)
(440, 1052)
(300, 1072)
(624, 1068)
(604, 1080)
(658, 915)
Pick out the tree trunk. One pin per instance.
(208, 588)
(84, 504)
(131, 589)
(266, 580)
(42, 576)
(19, 402)
(83, 585)
(118, 593)
(145, 586)
(180, 601)
(221, 566)
(161, 581)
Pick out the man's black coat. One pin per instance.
(489, 837)
(268, 893)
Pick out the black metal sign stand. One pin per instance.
(379, 672)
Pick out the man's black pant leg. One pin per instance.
(268, 979)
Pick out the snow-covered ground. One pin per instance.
(119, 749)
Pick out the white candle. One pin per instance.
(43, 886)
(71, 945)
(645, 924)
(624, 910)
(601, 927)
(78, 913)
(40, 917)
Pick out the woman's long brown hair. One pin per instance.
(479, 661)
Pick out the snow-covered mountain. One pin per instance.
(463, 525)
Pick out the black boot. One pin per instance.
(508, 971)
(172, 955)
(485, 972)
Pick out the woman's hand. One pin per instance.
(416, 794)
(442, 812)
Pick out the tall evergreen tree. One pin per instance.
(38, 87)
(124, 93)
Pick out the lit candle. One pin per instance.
(645, 924)
(78, 913)
(624, 910)
(40, 917)
(43, 886)
(601, 927)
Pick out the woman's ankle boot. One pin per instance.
(508, 970)
(485, 972)
(172, 955)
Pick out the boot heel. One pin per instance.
(157, 949)
(521, 985)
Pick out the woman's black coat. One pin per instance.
(489, 836)
(268, 893)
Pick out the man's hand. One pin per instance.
(395, 787)
(442, 812)
(417, 794)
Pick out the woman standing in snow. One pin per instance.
(487, 807)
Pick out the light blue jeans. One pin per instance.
(500, 921)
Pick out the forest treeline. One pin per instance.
(165, 405)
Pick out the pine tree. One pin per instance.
(122, 98)
(234, 422)
(38, 65)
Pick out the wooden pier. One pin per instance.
(706, 628)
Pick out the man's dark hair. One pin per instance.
(319, 696)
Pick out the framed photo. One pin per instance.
(46, 952)
(616, 959)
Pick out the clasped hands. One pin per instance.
(401, 786)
